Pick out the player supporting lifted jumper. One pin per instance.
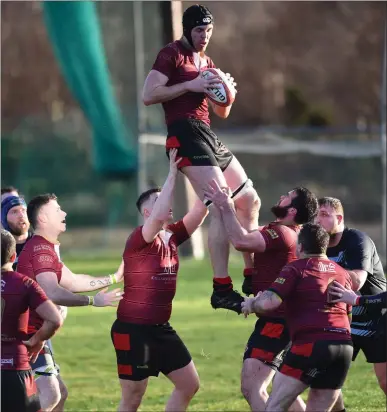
(321, 349)
(274, 246)
(176, 81)
(144, 341)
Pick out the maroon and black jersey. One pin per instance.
(177, 63)
(38, 256)
(303, 284)
(281, 246)
(19, 294)
(150, 274)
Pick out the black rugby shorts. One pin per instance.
(197, 144)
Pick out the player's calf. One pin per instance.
(248, 205)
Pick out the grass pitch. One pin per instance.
(216, 340)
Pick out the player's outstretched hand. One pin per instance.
(173, 163)
(200, 84)
(218, 195)
(34, 346)
(338, 293)
(105, 298)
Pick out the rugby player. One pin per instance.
(8, 191)
(356, 252)
(321, 350)
(19, 294)
(274, 246)
(144, 341)
(40, 261)
(176, 82)
(14, 219)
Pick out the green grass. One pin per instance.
(216, 340)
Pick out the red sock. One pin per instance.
(222, 284)
(248, 272)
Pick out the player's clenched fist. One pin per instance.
(105, 298)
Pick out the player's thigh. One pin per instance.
(284, 392)
(48, 388)
(135, 351)
(235, 174)
(185, 379)
(268, 342)
(321, 400)
(201, 176)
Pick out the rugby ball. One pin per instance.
(222, 95)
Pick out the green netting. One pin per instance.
(73, 28)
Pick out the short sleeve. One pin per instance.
(179, 232)
(275, 239)
(35, 293)
(136, 241)
(44, 261)
(166, 61)
(360, 252)
(286, 282)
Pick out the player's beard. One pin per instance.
(18, 230)
(280, 212)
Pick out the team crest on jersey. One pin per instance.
(280, 280)
(329, 267)
(3, 283)
(273, 234)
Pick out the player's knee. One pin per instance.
(190, 387)
(248, 200)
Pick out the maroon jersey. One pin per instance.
(281, 247)
(19, 293)
(150, 274)
(177, 63)
(309, 316)
(38, 256)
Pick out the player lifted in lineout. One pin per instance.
(177, 82)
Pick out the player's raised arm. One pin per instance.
(195, 217)
(240, 238)
(163, 203)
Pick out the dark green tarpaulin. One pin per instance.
(74, 31)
